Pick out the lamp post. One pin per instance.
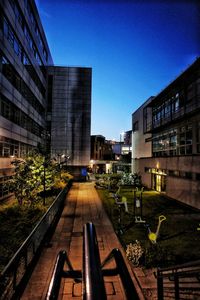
(44, 184)
(121, 141)
(60, 162)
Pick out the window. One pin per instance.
(190, 92)
(10, 73)
(198, 176)
(185, 140)
(5, 28)
(15, 115)
(136, 126)
(198, 136)
(5, 110)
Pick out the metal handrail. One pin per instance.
(122, 270)
(92, 274)
(54, 286)
(181, 266)
(93, 284)
(175, 275)
(59, 273)
(15, 275)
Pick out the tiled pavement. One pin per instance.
(82, 205)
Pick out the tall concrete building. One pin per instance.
(70, 115)
(25, 110)
(166, 139)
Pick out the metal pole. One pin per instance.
(44, 183)
(176, 284)
(159, 285)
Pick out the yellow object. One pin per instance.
(152, 236)
(124, 199)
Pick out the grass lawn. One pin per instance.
(179, 239)
(17, 222)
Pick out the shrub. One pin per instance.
(134, 252)
(157, 256)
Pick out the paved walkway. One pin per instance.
(82, 205)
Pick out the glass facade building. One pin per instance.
(24, 88)
(172, 121)
(70, 114)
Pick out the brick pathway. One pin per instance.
(82, 205)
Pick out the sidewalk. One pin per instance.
(81, 206)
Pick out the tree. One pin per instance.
(32, 176)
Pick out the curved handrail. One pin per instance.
(122, 270)
(54, 286)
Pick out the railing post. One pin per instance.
(160, 285)
(176, 286)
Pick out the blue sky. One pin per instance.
(135, 48)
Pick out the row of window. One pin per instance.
(11, 112)
(177, 105)
(10, 147)
(19, 50)
(21, 20)
(10, 73)
(177, 141)
(174, 173)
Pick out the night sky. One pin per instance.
(135, 48)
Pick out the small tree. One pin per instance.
(31, 175)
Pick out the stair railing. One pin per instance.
(92, 275)
(178, 281)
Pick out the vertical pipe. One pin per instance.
(176, 285)
(160, 285)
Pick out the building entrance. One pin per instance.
(159, 182)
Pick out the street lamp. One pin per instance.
(60, 162)
(121, 141)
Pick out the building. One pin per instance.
(122, 152)
(69, 98)
(24, 53)
(101, 155)
(168, 155)
(25, 91)
(141, 141)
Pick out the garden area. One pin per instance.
(155, 231)
(35, 187)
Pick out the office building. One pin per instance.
(169, 139)
(25, 111)
(69, 98)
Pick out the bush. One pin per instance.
(157, 256)
(131, 179)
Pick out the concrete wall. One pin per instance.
(140, 147)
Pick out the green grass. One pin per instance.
(179, 239)
(17, 222)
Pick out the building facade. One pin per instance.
(25, 110)
(141, 140)
(172, 119)
(24, 53)
(101, 155)
(69, 115)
